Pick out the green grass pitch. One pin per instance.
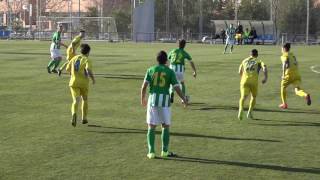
(38, 141)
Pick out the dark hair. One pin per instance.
(82, 31)
(182, 43)
(287, 46)
(254, 52)
(162, 57)
(84, 49)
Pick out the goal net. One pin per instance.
(97, 28)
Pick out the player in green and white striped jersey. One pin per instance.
(159, 78)
(56, 56)
(177, 64)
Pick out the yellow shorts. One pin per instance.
(70, 55)
(295, 81)
(238, 36)
(249, 88)
(77, 92)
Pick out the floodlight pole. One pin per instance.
(200, 21)
(168, 16)
(308, 17)
(182, 18)
(30, 18)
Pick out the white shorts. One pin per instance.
(230, 41)
(55, 53)
(180, 76)
(158, 115)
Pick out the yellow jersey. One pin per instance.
(291, 64)
(250, 68)
(76, 43)
(78, 67)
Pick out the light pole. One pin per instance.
(168, 17)
(200, 21)
(308, 17)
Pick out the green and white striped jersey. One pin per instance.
(56, 39)
(177, 59)
(160, 77)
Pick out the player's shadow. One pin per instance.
(285, 123)
(192, 135)
(120, 76)
(235, 108)
(245, 164)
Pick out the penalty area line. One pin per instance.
(313, 69)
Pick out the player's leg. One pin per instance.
(165, 115)
(152, 121)
(244, 91)
(70, 55)
(50, 65)
(284, 84)
(226, 46)
(254, 92)
(75, 93)
(84, 108)
(56, 64)
(231, 48)
(300, 92)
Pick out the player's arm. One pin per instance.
(68, 68)
(285, 66)
(62, 44)
(180, 94)
(194, 69)
(241, 70)
(265, 72)
(90, 73)
(143, 93)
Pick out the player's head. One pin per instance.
(254, 53)
(162, 57)
(286, 47)
(85, 49)
(60, 27)
(82, 33)
(182, 43)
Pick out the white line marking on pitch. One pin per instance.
(313, 69)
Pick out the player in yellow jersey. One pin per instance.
(71, 50)
(290, 75)
(249, 72)
(80, 69)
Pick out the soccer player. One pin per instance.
(249, 72)
(80, 68)
(71, 50)
(177, 64)
(55, 50)
(290, 75)
(159, 78)
(230, 33)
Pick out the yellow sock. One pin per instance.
(63, 65)
(252, 103)
(300, 92)
(283, 95)
(84, 109)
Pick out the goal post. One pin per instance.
(97, 28)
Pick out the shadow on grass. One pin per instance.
(142, 131)
(285, 123)
(235, 108)
(246, 165)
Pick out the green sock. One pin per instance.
(56, 64)
(51, 63)
(150, 139)
(165, 137)
(183, 89)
